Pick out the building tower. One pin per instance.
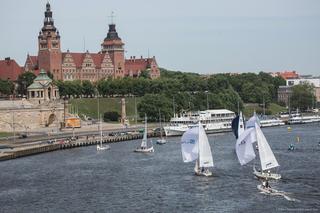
(113, 45)
(49, 55)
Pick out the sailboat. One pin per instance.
(161, 140)
(245, 151)
(195, 146)
(144, 143)
(238, 125)
(100, 146)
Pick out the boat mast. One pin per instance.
(100, 123)
(160, 124)
(198, 161)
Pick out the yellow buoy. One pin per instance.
(289, 129)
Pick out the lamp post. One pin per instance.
(207, 99)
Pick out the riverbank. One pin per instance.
(24, 150)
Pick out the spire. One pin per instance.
(48, 20)
(111, 17)
(112, 33)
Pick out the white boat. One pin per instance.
(245, 151)
(195, 147)
(303, 119)
(144, 143)
(100, 147)
(269, 122)
(213, 121)
(267, 190)
(162, 140)
(266, 175)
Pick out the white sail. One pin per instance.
(196, 166)
(189, 145)
(267, 158)
(241, 124)
(244, 148)
(205, 155)
(252, 121)
(144, 139)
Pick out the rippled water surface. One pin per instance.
(119, 180)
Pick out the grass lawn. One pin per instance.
(5, 134)
(272, 109)
(89, 106)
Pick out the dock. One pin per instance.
(34, 149)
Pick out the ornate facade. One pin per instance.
(107, 63)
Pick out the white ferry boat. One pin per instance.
(213, 121)
(269, 122)
(303, 119)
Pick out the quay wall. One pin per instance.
(32, 150)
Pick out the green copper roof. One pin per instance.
(43, 76)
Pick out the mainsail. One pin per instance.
(205, 155)
(244, 148)
(267, 158)
(144, 139)
(189, 145)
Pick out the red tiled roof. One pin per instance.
(34, 60)
(97, 59)
(79, 57)
(288, 74)
(136, 65)
(9, 69)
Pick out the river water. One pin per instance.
(119, 180)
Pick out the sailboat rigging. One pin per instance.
(195, 146)
(144, 143)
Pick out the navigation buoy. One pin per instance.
(289, 129)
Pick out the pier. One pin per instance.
(25, 150)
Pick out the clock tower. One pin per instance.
(49, 50)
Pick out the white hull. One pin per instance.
(100, 148)
(161, 141)
(179, 130)
(267, 190)
(144, 150)
(266, 175)
(303, 119)
(271, 122)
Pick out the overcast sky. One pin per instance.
(205, 36)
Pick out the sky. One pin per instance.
(203, 36)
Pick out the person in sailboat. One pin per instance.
(266, 184)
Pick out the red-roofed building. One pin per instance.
(286, 75)
(31, 64)
(133, 67)
(9, 69)
(109, 62)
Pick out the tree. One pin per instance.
(302, 96)
(145, 74)
(150, 105)
(6, 87)
(111, 116)
(88, 88)
(24, 80)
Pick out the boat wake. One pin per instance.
(274, 192)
